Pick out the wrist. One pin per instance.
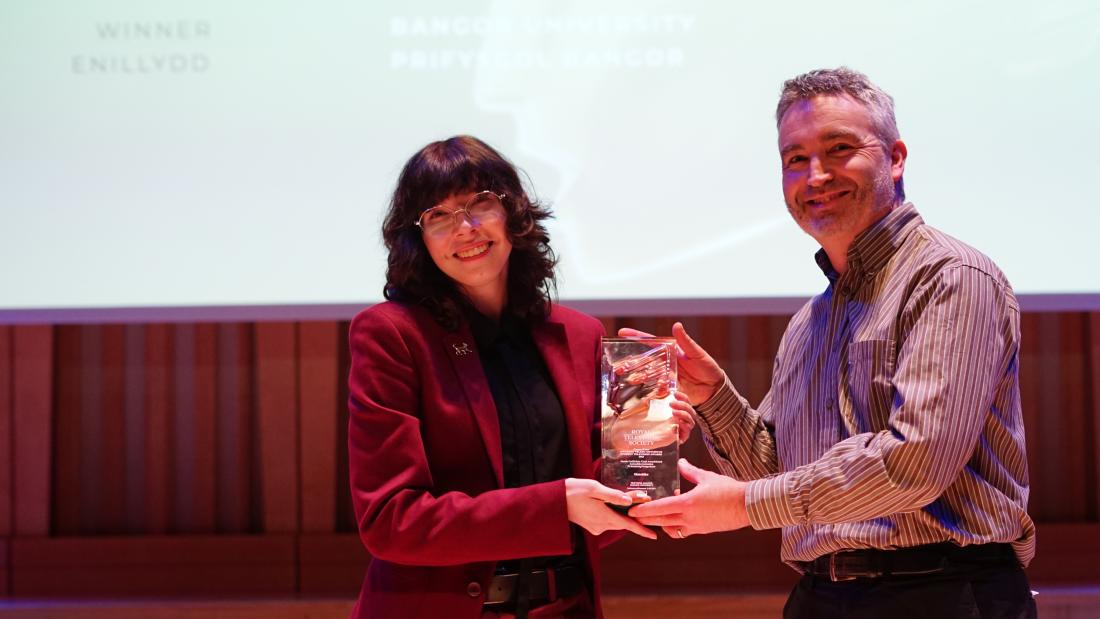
(709, 391)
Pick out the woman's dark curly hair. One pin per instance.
(440, 170)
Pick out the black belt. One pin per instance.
(930, 559)
(544, 586)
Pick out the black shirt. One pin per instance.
(533, 437)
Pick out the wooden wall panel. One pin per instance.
(32, 403)
(1055, 489)
(1066, 554)
(240, 428)
(68, 388)
(181, 432)
(739, 365)
(1072, 379)
(191, 430)
(1033, 414)
(719, 562)
(158, 404)
(133, 429)
(174, 412)
(6, 437)
(234, 429)
(112, 437)
(5, 568)
(761, 357)
(89, 440)
(193, 565)
(318, 356)
(345, 514)
(331, 564)
(1092, 387)
(609, 327)
(717, 332)
(277, 399)
(204, 453)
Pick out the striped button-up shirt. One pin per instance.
(893, 418)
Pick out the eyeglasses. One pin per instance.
(482, 207)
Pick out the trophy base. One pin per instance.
(650, 473)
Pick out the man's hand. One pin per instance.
(716, 503)
(586, 504)
(697, 372)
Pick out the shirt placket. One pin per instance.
(844, 306)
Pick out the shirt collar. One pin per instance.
(873, 247)
(487, 331)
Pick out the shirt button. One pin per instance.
(473, 589)
(830, 403)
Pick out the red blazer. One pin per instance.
(425, 458)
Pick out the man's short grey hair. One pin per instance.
(842, 81)
(845, 81)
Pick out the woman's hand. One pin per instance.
(683, 415)
(586, 503)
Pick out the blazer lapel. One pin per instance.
(462, 351)
(553, 344)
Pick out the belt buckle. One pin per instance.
(502, 588)
(832, 570)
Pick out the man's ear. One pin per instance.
(898, 153)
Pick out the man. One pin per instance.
(890, 447)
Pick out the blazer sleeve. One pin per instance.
(401, 514)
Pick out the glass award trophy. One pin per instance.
(639, 438)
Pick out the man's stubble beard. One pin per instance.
(879, 197)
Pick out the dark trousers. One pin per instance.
(959, 591)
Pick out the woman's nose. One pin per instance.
(464, 220)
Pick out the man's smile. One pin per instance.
(825, 199)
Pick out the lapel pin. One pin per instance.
(462, 349)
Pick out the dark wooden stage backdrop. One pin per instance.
(208, 459)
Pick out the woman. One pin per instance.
(473, 431)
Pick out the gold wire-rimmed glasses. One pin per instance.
(483, 206)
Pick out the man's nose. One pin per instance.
(819, 174)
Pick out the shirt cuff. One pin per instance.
(770, 503)
(722, 408)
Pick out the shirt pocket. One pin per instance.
(871, 383)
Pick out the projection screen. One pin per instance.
(210, 159)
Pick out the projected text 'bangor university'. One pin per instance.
(538, 42)
(127, 50)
